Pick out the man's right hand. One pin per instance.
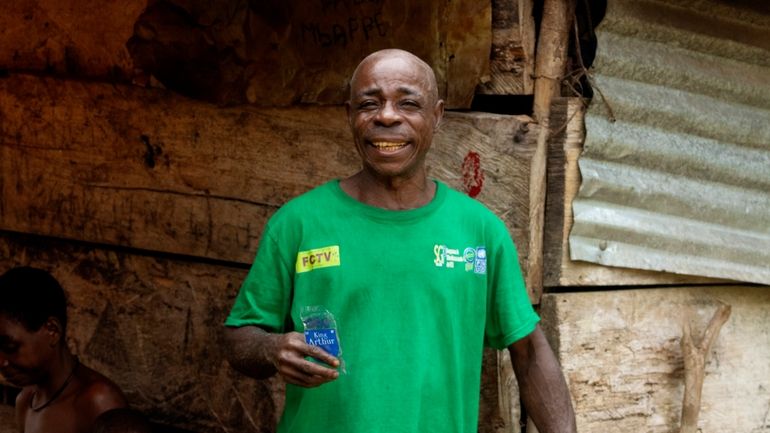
(289, 358)
(260, 354)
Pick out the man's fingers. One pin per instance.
(321, 355)
(296, 342)
(292, 364)
(307, 374)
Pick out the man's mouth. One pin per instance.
(388, 146)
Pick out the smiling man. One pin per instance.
(418, 278)
(59, 394)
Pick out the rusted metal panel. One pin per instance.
(676, 164)
(620, 352)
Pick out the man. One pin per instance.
(59, 394)
(418, 277)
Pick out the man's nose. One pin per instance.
(388, 115)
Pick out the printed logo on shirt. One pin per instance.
(472, 259)
(318, 258)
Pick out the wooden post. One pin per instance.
(550, 62)
(695, 353)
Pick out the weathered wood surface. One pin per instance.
(218, 50)
(147, 169)
(512, 60)
(72, 37)
(278, 52)
(621, 356)
(153, 325)
(695, 351)
(568, 123)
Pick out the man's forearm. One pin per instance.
(250, 350)
(541, 385)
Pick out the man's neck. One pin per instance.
(62, 368)
(390, 193)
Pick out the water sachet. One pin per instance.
(321, 330)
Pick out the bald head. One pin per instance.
(410, 61)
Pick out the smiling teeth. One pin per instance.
(387, 145)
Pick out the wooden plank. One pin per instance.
(147, 169)
(550, 65)
(512, 64)
(218, 50)
(73, 37)
(153, 325)
(568, 123)
(468, 39)
(620, 352)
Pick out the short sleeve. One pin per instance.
(265, 295)
(510, 315)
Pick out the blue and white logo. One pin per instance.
(480, 263)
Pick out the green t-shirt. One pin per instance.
(416, 295)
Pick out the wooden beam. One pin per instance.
(550, 63)
(147, 169)
(695, 351)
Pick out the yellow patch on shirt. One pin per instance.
(318, 258)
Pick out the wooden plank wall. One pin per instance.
(148, 207)
(512, 60)
(622, 358)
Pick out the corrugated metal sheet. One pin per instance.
(676, 163)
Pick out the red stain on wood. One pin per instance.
(473, 176)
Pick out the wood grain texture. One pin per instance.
(512, 60)
(86, 38)
(550, 64)
(280, 53)
(620, 352)
(147, 169)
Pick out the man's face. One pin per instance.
(393, 113)
(22, 352)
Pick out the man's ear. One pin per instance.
(347, 111)
(438, 114)
(53, 330)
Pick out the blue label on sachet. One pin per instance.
(326, 339)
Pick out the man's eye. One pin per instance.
(367, 104)
(410, 103)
